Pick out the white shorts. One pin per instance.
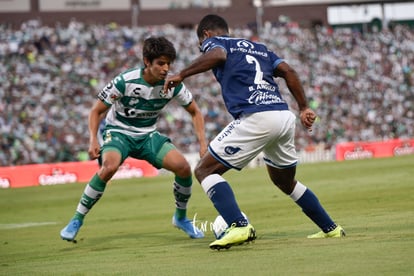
(272, 132)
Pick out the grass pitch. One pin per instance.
(129, 231)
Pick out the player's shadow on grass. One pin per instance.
(121, 240)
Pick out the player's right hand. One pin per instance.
(172, 81)
(94, 150)
(307, 118)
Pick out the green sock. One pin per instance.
(182, 193)
(92, 193)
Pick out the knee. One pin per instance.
(286, 186)
(284, 179)
(107, 170)
(200, 173)
(183, 170)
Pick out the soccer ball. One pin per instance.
(220, 226)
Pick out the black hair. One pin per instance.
(154, 47)
(211, 22)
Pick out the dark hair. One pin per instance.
(211, 22)
(154, 47)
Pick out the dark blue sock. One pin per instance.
(224, 200)
(313, 209)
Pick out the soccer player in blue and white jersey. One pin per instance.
(133, 101)
(262, 123)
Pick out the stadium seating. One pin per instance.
(360, 84)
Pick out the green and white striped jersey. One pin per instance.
(135, 104)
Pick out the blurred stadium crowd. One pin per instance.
(360, 84)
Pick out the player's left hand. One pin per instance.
(307, 118)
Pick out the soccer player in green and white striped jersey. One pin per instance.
(132, 102)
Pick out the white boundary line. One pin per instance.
(24, 225)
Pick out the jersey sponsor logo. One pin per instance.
(135, 113)
(264, 98)
(102, 95)
(230, 150)
(105, 91)
(247, 47)
(136, 92)
(108, 93)
(228, 130)
(245, 44)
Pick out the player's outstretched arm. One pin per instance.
(203, 63)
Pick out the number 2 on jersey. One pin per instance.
(258, 78)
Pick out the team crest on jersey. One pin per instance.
(163, 93)
(107, 138)
(231, 150)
